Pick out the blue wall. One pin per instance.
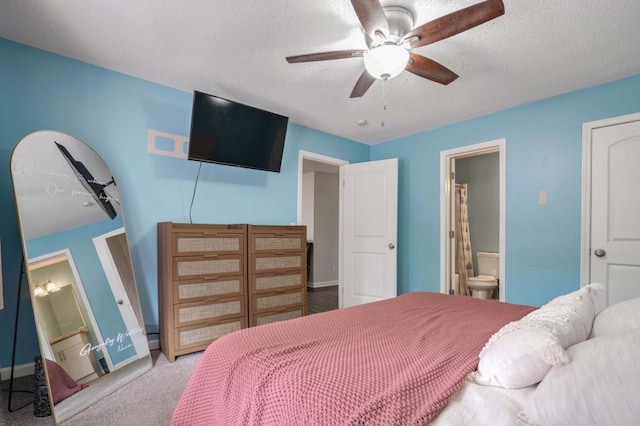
(543, 151)
(112, 112)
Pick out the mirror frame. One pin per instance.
(69, 180)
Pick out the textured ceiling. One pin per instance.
(237, 50)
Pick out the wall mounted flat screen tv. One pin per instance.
(234, 134)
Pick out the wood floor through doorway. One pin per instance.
(322, 299)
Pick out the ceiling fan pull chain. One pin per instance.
(384, 101)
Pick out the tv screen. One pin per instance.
(230, 133)
(94, 188)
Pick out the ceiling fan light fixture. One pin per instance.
(386, 61)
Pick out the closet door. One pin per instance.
(615, 201)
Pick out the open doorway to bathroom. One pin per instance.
(473, 222)
(318, 209)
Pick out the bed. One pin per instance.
(415, 359)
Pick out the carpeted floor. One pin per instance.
(148, 400)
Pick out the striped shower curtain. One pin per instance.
(464, 254)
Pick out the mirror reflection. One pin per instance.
(85, 300)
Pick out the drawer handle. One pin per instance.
(215, 277)
(279, 254)
(209, 233)
(210, 256)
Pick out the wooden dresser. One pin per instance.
(277, 273)
(202, 284)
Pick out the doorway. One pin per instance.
(60, 267)
(318, 209)
(448, 160)
(366, 234)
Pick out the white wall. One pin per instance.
(308, 201)
(325, 256)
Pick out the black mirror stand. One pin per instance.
(15, 337)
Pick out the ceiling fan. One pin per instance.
(390, 35)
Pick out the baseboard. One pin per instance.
(18, 371)
(322, 284)
(154, 344)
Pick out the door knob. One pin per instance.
(391, 246)
(120, 302)
(599, 252)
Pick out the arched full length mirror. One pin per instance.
(84, 295)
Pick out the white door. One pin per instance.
(369, 231)
(452, 288)
(135, 330)
(615, 211)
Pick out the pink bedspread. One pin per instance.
(394, 362)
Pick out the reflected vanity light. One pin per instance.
(39, 291)
(51, 287)
(46, 288)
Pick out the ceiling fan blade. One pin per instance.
(372, 17)
(430, 69)
(456, 22)
(325, 56)
(362, 85)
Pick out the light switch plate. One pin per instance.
(542, 197)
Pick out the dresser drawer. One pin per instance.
(262, 242)
(221, 242)
(209, 267)
(269, 317)
(278, 301)
(278, 281)
(277, 262)
(197, 337)
(199, 312)
(193, 290)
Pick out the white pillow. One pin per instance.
(522, 352)
(519, 359)
(616, 318)
(598, 387)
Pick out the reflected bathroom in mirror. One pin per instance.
(83, 290)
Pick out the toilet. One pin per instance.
(483, 284)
